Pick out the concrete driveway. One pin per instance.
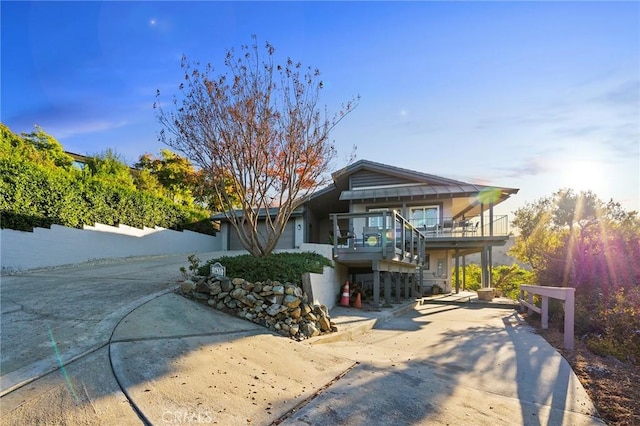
(132, 352)
(52, 316)
(143, 355)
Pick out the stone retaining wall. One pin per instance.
(283, 308)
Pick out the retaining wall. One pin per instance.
(60, 245)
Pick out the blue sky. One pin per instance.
(532, 95)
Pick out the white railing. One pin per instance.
(566, 294)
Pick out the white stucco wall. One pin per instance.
(61, 245)
(326, 287)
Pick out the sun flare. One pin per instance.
(584, 175)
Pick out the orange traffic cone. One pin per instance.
(344, 301)
(358, 303)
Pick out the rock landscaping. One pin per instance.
(283, 308)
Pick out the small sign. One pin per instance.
(218, 269)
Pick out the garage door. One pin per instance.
(286, 241)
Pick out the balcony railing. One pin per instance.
(385, 232)
(476, 226)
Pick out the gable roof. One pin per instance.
(399, 172)
(409, 183)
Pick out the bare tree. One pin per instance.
(258, 133)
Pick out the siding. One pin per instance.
(366, 178)
(286, 241)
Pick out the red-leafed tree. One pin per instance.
(258, 133)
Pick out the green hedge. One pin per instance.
(283, 267)
(35, 196)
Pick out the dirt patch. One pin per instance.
(612, 385)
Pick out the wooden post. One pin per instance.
(376, 289)
(569, 314)
(387, 290)
(545, 312)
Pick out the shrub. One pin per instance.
(283, 267)
(621, 322)
(33, 195)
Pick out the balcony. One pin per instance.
(476, 226)
(362, 238)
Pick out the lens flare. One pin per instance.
(489, 195)
(61, 364)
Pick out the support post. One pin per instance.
(483, 268)
(491, 218)
(407, 295)
(457, 268)
(489, 263)
(387, 290)
(396, 278)
(569, 314)
(545, 312)
(376, 289)
(464, 273)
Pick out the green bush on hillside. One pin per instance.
(283, 267)
(36, 196)
(39, 188)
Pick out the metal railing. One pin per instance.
(476, 226)
(384, 231)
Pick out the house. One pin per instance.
(392, 224)
(79, 161)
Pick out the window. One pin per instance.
(424, 216)
(441, 271)
(376, 221)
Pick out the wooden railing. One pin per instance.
(566, 294)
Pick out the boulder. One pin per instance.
(187, 286)
(238, 293)
(215, 288)
(275, 309)
(291, 301)
(202, 286)
(309, 330)
(226, 285)
(290, 289)
(325, 324)
(306, 309)
(320, 310)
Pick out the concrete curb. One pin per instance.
(350, 332)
